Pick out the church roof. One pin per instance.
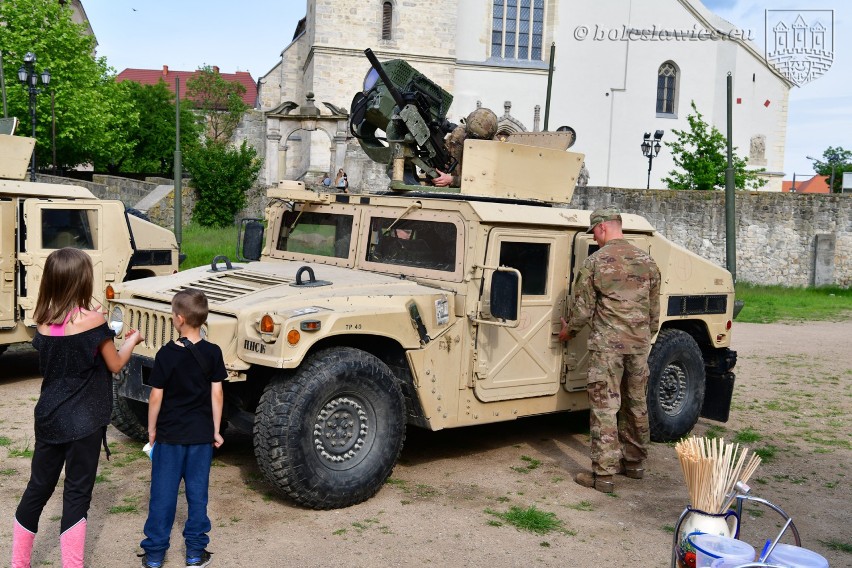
(153, 76)
(816, 184)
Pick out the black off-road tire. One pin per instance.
(675, 386)
(329, 436)
(129, 416)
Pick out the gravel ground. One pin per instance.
(443, 501)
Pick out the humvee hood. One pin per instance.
(250, 286)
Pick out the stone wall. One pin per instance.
(776, 232)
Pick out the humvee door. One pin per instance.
(525, 361)
(88, 226)
(7, 264)
(577, 352)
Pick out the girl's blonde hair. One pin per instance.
(66, 284)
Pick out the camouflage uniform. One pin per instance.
(480, 124)
(617, 291)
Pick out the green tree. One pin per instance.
(154, 136)
(220, 101)
(221, 175)
(841, 160)
(701, 154)
(92, 115)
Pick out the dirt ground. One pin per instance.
(793, 396)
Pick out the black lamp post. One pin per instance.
(651, 149)
(29, 79)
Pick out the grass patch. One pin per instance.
(768, 304)
(130, 506)
(201, 244)
(715, 431)
(767, 452)
(532, 464)
(24, 452)
(835, 544)
(5, 442)
(747, 436)
(8, 471)
(582, 506)
(530, 519)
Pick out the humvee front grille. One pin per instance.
(233, 284)
(156, 328)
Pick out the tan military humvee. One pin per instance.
(368, 312)
(38, 218)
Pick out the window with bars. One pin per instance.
(666, 88)
(517, 29)
(387, 20)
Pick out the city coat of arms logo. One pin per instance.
(800, 43)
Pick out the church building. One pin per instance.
(621, 69)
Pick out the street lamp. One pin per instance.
(651, 149)
(29, 79)
(832, 163)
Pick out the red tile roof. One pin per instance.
(153, 76)
(815, 184)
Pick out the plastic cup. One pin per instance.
(713, 551)
(796, 557)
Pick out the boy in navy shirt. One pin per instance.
(184, 414)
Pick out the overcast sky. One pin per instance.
(249, 36)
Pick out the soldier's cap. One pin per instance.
(601, 215)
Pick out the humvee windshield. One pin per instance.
(321, 234)
(418, 244)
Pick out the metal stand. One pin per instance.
(740, 498)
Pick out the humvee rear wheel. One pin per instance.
(129, 416)
(675, 385)
(329, 436)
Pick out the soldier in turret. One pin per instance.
(481, 124)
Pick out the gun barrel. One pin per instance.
(397, 97)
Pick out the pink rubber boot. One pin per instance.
(73, 544)
(22, 546)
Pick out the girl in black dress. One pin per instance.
(76, 356)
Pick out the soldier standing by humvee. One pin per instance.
(617, 292)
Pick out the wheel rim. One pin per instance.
(344, 431)
(673, 388)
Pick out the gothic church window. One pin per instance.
(517, 28)
(667, 88)
(387, 20)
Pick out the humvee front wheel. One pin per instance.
(129, 416)
(675, 385)
(329, 436)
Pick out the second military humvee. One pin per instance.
(38, 218)
(368, 312)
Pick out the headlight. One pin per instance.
(116, 320)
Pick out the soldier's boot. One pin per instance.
(602, 483)
(633, 470)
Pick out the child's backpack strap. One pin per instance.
(205, 365)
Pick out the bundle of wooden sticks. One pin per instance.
(712, 469)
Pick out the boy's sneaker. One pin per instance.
(202, 560)
(150, 563)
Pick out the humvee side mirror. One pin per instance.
(504, 295)
(250, 239)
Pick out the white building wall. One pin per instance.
(603, 86)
